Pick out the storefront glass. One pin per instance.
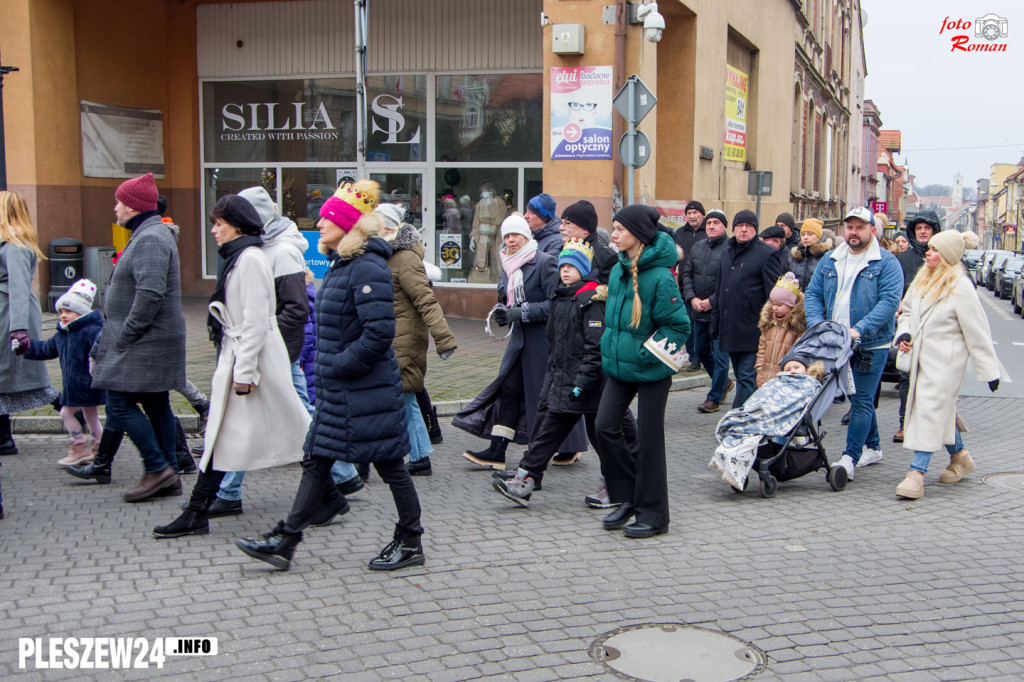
(489, 118)
(222, 181)
(397, 110)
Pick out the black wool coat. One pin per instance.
(574, 329)
(360, 416)
(747, 276)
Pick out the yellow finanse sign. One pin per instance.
(735, 114)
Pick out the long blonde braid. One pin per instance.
(634, 321)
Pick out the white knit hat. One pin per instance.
(78, 298)
(516, 224)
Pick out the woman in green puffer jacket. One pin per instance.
(643, 346)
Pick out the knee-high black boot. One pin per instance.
(429, 417)
(99, 468)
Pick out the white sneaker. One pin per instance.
(869, 456)
(847, 463)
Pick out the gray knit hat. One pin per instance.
(78, 298)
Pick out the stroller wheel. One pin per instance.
(837, 477)
(768, 486)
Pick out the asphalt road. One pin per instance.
(1008, 335)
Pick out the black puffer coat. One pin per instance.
(699, 277)
(574, 329)
(359, 416)
(801, 260)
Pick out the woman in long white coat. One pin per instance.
(256, 418)
(941, 325)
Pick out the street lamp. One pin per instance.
(4, 70)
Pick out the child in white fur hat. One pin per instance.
(77, 331)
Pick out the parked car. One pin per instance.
(1017, 294)
(1010, 268)
(971, 259)
(989, 276)
(979, 269)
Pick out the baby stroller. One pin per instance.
(781, 421)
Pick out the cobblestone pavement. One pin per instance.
(851, 585)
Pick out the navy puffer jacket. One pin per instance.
(359, 411)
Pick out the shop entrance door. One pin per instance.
(406, 188)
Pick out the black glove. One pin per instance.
(576, 393)
(21, 336)
(902, 337)
(993, 385)
(500, 315)
(515, 314)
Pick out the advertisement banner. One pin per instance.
(450, 250)
(581, 112)
(121, 142)
(735, 115)
(673, 212)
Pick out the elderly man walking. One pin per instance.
(859, 285)
(140, 355)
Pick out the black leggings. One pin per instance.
(643, 481)
(317, 492)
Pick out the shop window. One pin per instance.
(397, 126)
(489, 118)
(279, 121)
(222, 181)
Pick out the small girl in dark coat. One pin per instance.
(572, 382)
(77, 331)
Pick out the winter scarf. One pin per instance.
(229, 253)
(513, 267)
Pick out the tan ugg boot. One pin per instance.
(960, 465)
(912, 486)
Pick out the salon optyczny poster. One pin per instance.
(581, 112)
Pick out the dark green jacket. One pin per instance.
(622, 353)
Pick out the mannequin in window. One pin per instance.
(484, 242)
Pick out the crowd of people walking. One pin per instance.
(334, 376)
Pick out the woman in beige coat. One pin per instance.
(256, 418)
(940, 325)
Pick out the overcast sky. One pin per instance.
(959, 111)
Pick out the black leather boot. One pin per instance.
(429, 413)
(99, 468)
(399, 553)
(186, 465)
(7, 446)
(190, 522)
(493, 456)
(275, 547)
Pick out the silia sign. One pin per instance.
(263, 121)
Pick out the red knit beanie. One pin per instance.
(138, 194)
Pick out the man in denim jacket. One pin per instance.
(859, 285)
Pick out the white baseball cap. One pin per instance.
(860, 213)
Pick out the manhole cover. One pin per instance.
(1010, 481)
(672, 652)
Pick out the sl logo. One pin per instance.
(388, 106)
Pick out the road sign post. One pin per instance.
(759, 183)
(634, 101)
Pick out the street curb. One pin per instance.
(449, 408)
(190, 422)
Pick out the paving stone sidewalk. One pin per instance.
(854, 585)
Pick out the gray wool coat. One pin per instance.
(19, 310)
(142, 347)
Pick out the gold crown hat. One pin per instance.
(351, 202)
(578, 254)
(786, 290)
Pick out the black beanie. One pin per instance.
(239, 213)
(581, 213)
(745, 216)
(787, 218)
(642, 221)
(694, 204)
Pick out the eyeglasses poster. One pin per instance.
(581, 112)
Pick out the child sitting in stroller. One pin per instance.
(767, 423)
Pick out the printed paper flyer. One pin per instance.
(735, 115)
(581, 112)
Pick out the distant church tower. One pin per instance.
(958, 190)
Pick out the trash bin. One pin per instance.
(66, 263)
(99, 264)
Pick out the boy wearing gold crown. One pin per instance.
(360, 416)
(782, 323)
(572, 382)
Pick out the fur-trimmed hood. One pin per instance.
(818, 249)
(600, 293)
(406, 238)
(795, 320)
(355, 240)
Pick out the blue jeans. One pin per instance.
(863, 429)
(301, 387)
(746, 376)
(721, 376)
(153, 433)
(922, 458)
(419, 439)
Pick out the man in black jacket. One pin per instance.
(920, 228)
(544, 223)
(579, 221)
(788, 223)
(700, 285)
(749, 270)
(686, 236)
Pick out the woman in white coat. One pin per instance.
(256, 418)
(940, 325)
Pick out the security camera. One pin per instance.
(654, 22)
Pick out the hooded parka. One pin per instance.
(801, 260)
(416, 310)
(777, 337)
(912, 259)
(574, 331)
